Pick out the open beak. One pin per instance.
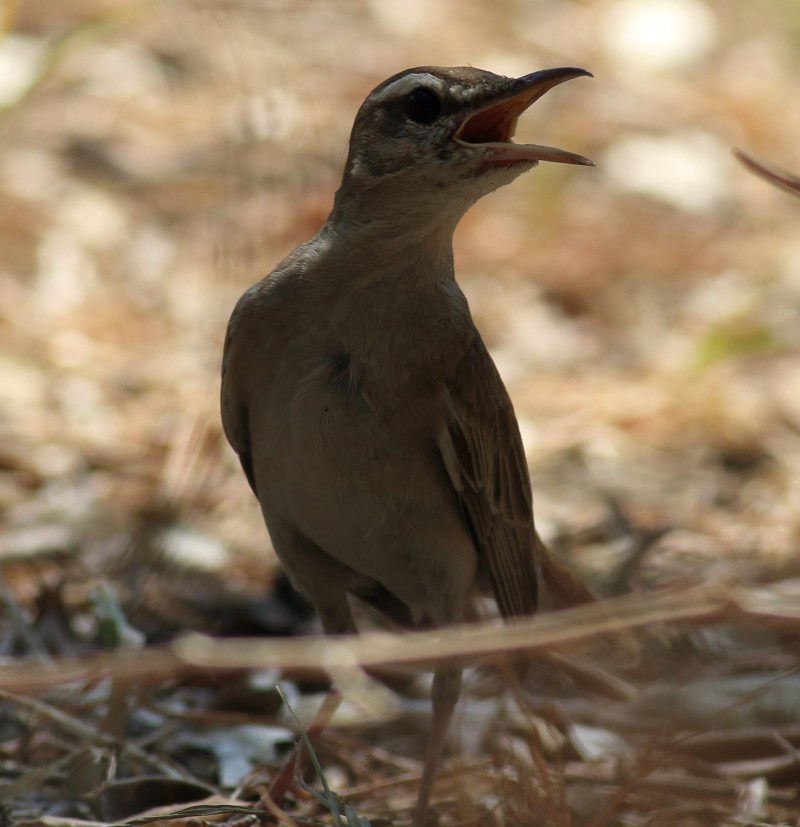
(493, 125)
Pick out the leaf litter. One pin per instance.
(155, 161)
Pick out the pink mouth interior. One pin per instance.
(493, 125)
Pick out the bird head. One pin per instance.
(448, 131)
(776, 176)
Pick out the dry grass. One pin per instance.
(156, 158)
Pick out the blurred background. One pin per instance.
(157, 158)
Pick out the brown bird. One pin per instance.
(368, 416)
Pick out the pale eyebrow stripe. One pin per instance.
(406, 84)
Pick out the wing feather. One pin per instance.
(483, 452)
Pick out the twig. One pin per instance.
(200, 654)
(86, 733)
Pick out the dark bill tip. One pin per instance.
(556, 75)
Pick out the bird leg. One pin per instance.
(444, 695)
(330, 600)
(283, 780)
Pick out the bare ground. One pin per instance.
(158, 158)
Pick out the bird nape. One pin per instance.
(368, 415)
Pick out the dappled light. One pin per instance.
(157, 159)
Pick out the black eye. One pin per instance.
(422, 105)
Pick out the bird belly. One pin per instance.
(363, 480)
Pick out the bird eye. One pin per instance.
(422, 105)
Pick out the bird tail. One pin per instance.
(561, 587)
